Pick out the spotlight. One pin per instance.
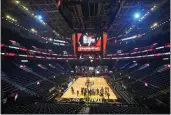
(137, 15)
(39, 17)
(38, 83)
(146, 84)
(17, 2)
(152, 9)
(97, 72)
(8, 16)
(21, 66)
(155, 24)
(72, 71)
(50, 39)
(32, 29)
(168, 65)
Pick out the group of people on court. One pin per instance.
(92, 92)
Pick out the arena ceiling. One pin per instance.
(112, 16)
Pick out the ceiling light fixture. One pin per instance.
(137, 15)
(39, 17)
(17, 2)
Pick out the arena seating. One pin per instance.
(117, 109)
(29, 80)
(134, 80)
(44, 108)
(159, 79)
(6, 87)
(42, 88)
(58, 108)
(139, 89)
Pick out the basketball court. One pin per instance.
(98, 82)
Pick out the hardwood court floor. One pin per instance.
(99, 82)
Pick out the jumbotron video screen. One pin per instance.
(89, 42)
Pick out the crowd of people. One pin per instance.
(88, 92)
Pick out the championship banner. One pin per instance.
(74, 42)
(104, 42)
